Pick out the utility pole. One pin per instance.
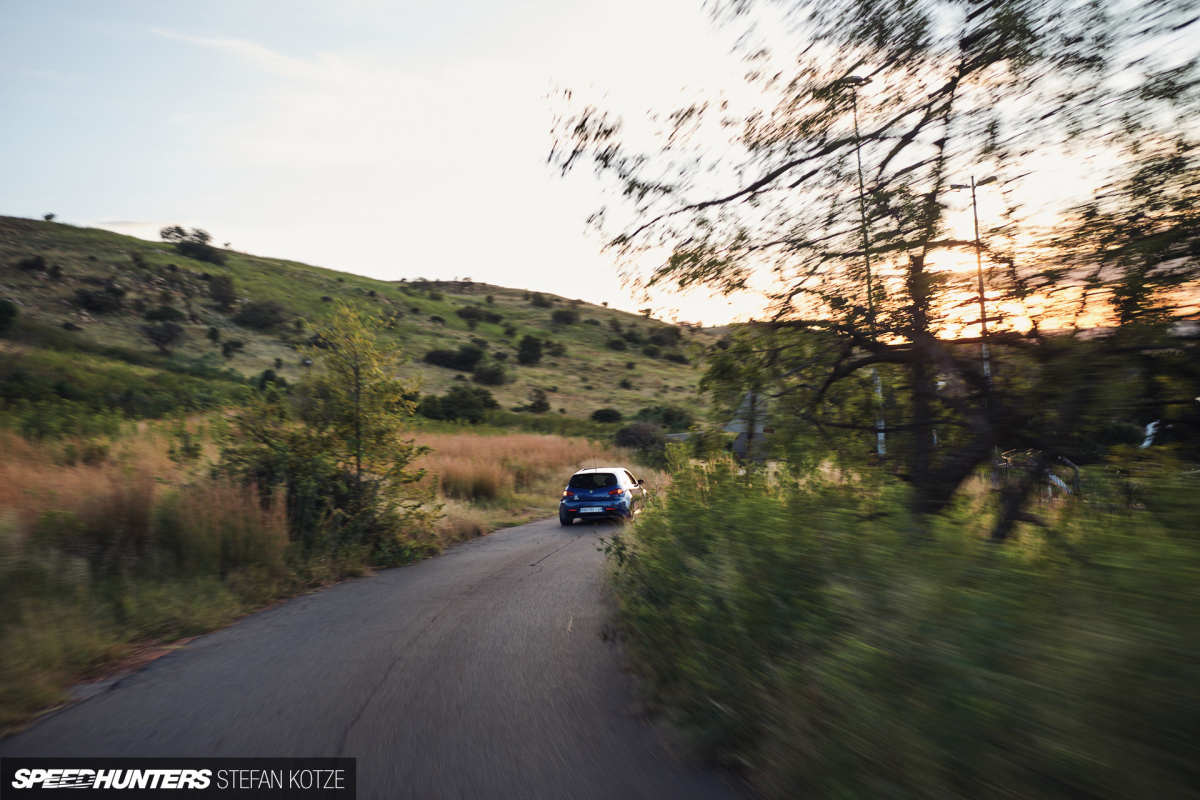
(983, 331)
(854, 81)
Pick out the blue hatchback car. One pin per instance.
(601, 493)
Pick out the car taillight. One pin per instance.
(568, 493)
(616, 492)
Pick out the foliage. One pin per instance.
(193, 244)
(529, 350)
(104, 301)
(792, 627)
(539, 300)
(262, 315)
(564, 316)
(466, 403)
(464, 359)
(538, 404)
(346, 468)
(838, 193)
(8, 313)
(163, 335)
(164, 314)
(222, 291)
(671, 418)
(606, 415)
(490, 374)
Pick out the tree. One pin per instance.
(529, 351)
(840, 192)
(49, 217)
(193, 244)
(163, 335)
(358, 411)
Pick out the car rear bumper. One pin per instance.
(611, 510)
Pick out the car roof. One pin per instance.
(599, 469)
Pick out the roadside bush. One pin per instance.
(640, 436)
(606, 415)
(261, 315)
(464, 359)
(819, 635)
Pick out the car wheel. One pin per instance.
(565, 519)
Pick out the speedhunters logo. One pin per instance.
(62, 778)
(195, 777)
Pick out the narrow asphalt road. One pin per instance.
(479, 673)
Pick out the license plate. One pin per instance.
(591, 510)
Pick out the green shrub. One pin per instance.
(104, 301)
(672, 418)
(466, 403)
(490, 375)
(606, 415)
(540, 300)
(819, 635)
(529, 351)
(565, 316)
(8, 313)
(261, 315)
(464, 359)
(616, 344)
(221, 290)
(164, 314)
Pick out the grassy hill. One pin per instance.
(85, 297)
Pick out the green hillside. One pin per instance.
(88, 301)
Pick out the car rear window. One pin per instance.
(593, 480)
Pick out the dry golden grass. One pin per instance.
(489, 481)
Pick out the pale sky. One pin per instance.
(390, 139)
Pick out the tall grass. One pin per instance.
(135, 543)
(95, 558)
(516, 467)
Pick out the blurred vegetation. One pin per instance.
(809, 628)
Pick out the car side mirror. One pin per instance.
(641, 481)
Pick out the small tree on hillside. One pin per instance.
(163, 335)
(195, 243)
(529, 351)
